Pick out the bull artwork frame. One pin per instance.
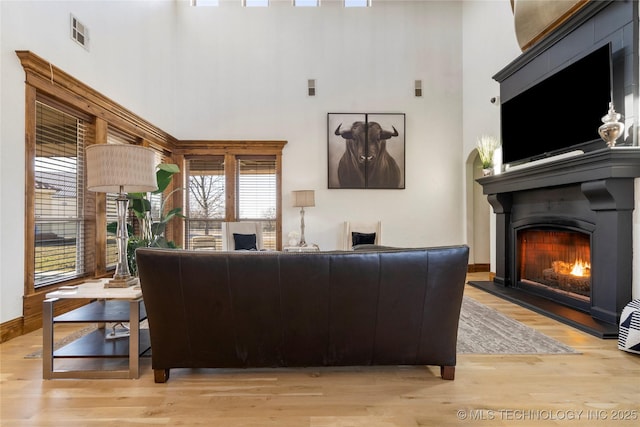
(366, 150)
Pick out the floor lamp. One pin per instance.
(303, 199)
(119, 168)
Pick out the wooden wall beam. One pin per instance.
(48, 78)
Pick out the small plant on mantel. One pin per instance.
(487, 146)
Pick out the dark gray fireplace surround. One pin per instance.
(592, 192)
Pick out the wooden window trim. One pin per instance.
(48, 79)
(231, 150)
(48, 83)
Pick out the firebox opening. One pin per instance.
(555, 263)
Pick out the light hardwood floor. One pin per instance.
(599, 387)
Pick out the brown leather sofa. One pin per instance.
(275, 309)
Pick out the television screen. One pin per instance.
(559, 114)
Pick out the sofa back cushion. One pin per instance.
(254, 309)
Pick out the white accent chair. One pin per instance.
(360, 227)
(229, 228)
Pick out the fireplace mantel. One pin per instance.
(593, 191)
(616, 162)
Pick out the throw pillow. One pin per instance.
(363, 238)
(245, 242)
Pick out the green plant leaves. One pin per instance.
(164, 174)
(139, 205)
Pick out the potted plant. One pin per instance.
(486, 146)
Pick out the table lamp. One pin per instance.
(303, 199)
(119, 168)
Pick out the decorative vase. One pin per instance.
(487, 171)
(293, 242)
(612, 127)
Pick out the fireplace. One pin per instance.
(555, 218)
(555, 263)
(556, 212)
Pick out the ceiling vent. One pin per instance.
(79, 32)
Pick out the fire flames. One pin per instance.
(579, 268)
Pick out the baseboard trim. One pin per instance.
(33, 320)
(478, 268)
(11, 329)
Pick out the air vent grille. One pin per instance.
(311, 87)
(79, 32)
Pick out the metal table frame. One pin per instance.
(93, 290)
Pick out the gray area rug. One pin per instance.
(482, 330)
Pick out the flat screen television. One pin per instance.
(561, 113)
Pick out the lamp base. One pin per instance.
(118, 333)
(121, 283)
(114, 335)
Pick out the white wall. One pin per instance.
(236, 73)
(111, 66)
(488, 44)
(363, 60)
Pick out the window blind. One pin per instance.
(156, 199)
(256, 196)
(205, 207)
(59, 196)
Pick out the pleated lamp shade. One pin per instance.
(115, 168)
(304, 198)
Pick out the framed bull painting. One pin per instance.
(366, 150)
